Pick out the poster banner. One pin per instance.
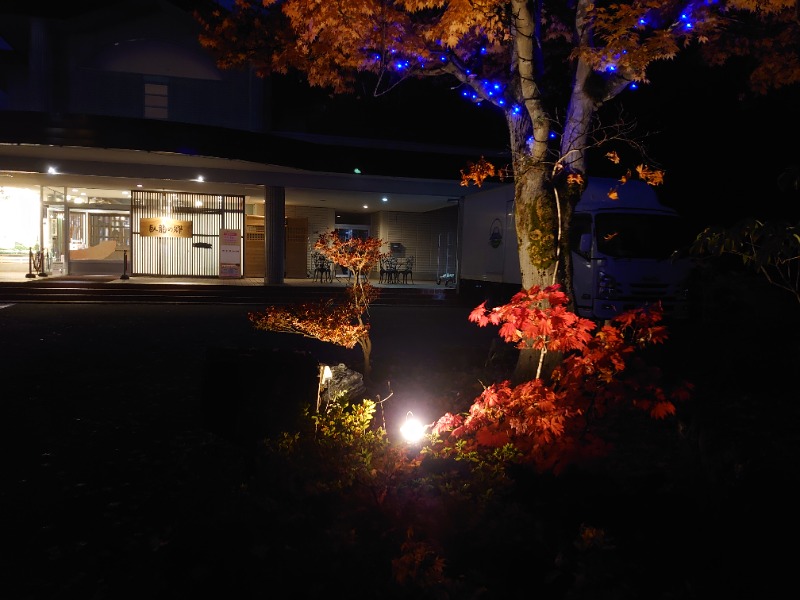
(230, 253)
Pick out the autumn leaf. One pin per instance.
(662, 410)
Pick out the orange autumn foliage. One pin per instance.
(333, 320)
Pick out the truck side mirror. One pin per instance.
(585, 245)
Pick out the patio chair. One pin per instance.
(322, 268)
(405, 269)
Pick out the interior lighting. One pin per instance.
(357, 171)
(384, 199)
(366, 206)
(200, 178)
(52, 170)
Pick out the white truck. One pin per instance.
(625, 250)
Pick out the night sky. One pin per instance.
(723, 149)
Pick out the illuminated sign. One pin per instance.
(160, 227)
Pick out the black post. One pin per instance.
(42, 265)
(124, 265)
(30, 264)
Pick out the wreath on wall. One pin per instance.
(496, 234)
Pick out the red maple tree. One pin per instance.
(333, 320)
(564, 421)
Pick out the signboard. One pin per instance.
(230, 253)
(159, 227)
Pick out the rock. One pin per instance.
(346, 381)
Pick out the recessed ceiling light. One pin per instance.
(366, 206)
(385, 199)
(52, 170)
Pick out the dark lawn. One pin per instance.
(126, 474)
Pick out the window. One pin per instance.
(110, 227)
(156, 101)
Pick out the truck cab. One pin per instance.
(626, 251)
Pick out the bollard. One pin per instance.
(124, 265)
(30, 264)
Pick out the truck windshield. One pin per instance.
(639, 236)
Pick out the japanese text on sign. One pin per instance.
(160, 227)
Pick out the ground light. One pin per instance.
(325, 375)
(412, 429)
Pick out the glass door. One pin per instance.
(54, 238)
(54, 234)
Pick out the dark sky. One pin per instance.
(723, 148)
(429, 111)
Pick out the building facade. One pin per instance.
(122, 146)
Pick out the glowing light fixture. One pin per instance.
(52, 170)
(412, 430)
(384, 199)
(324, 376)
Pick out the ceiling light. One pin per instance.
(385, 199)
(366, 206)
(52, 170)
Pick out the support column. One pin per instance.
(275, 232)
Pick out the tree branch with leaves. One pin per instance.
(570, 418)
(333, 320)
(771, 248)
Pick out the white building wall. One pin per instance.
(420, 235)
(485, 213)
(320, 220)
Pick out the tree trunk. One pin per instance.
(536, 219)
(366, 349)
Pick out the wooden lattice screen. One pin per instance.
(187, 243)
